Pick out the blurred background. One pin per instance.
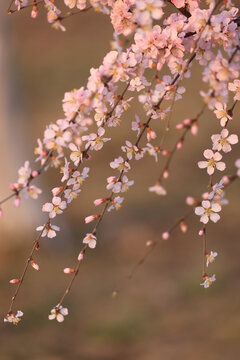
(163, 312)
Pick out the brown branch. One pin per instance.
(183, 10)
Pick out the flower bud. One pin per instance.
(183, 226)
(165, 235)
(179, 144)
(80, 256)
(68, 270)
(201, 232)
(194, 128)
(179, 126)
(34, 265)
(17, 201)
(14, 281)
(90, 218)
(191, 201)
(150, 243)
(34, 173)
(99, 201)
(165, 174)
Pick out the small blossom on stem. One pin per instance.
(210, 257)
(120, 164)
(216, 190)
(223, 141)
(76, 154)
(58, 313)
(157, 189)
(208, 210)
(235, 87)
(90, 240)
(48, 229)
(213, 162)
(221, 113)
(14, 318)
(208, 280)
(95, 141)
(55, 208)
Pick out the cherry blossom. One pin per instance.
(54, 208)
(221, 113)
(235, 87)
(216, 189)
(24, 173)
(95, 141)
(120, 164)
(158, 189)
(210, 257)
(116, 203)
(76, 155)
(14, 319)
(208, 211)
(223, 142)
(208, 280)
(48, 230)
(65, 170)
(58, 313)
(90, 240)
(80, 4)
(212, 163)
(132, 150)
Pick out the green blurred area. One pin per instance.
(163, 312)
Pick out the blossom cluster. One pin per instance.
(149, 66)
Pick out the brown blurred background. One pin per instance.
(163, 312)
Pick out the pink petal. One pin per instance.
(221, 166)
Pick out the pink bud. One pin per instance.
(17, 201)
(205, 195)
(80, 256)
(34, 265)
(166, 152)
(179, 126)
(57, 190)
(179, 144)
(150, 243)
(187, 122)
(34, 173)
(226, 179)
(183, 226)
(166, 174)
(191, 201)
(194, 129)
(14, 281)
(1, 213)
(90, 218)
(34, 14)
(165, 235)
(99, 201)
(68, 270)
(12, 186)
(201, 232)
